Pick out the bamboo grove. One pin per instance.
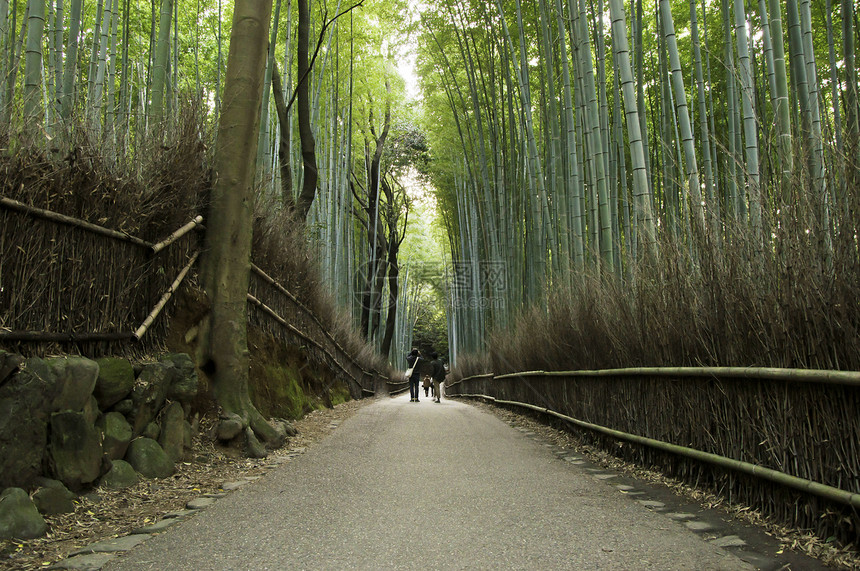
(335, 131)
(687, 163)
(646, 143)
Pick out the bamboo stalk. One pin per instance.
(63, 219)
(156, 248)
(781, 478)
(165, 298)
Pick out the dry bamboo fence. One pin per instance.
(67, 285)
(800, 423)
(284, 316)
(70, 286)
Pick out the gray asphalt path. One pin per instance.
(405, 485)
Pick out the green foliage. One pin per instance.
(279, 393)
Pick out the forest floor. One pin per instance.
(104, 514)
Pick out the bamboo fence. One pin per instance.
(71, 286)
(798, 423)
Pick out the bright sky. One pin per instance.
(406, 67)
(406, 63)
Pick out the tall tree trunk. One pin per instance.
(306, 134)
(226, 272)
(283, 139)
(393, 288)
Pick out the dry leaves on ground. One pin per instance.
(104, 514)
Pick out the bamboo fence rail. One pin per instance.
(67, 284)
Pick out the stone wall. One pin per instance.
(68, 424)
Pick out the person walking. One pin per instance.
(438, 376)
(412, 359)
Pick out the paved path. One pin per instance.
(405, 485)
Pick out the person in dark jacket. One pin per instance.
(412, 360)
(438, 376)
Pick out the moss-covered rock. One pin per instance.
(147, 457)
(19, 518)
(175, 432)
(53, 497)
(120, 476)
(76, 379)
(116, 433)
(24, 413)
(75, 449)
(115, 381)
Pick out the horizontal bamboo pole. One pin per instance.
(49, 337)
(271, 281)
(781, 478)
(156, 248)
(851, 378)
(63, 219)
(165, 298)
(284, 322)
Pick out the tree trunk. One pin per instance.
(284, 139)
(393, 275)
(227, 266)
(306, 135)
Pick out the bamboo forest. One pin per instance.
(631, 228)
(524, 183)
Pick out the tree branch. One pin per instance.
(359, 4)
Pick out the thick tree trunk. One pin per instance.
(306, 135)
(227, 266)
(393, 291)
(284, 141)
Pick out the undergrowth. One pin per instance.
(789, 301)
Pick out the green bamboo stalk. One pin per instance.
(852, 111)
(834, 75)
(732, 197)
(571, 210)
(703, 119)
(97, 93)
(644, 216)
(264, 147)
(683, 116)
(33, 67)
(595, 144)
(749, 118)
(161, 59)
(5, 47)
(781, 110)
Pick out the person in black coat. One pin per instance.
(412, 360)
(438, 376)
